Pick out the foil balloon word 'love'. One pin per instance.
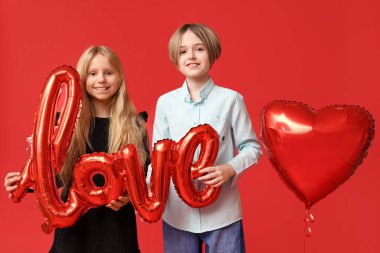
(122, 171)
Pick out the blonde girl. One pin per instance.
(107, 122)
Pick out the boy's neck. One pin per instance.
(195, 85)
(101, 109)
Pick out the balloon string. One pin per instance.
(309, 219)
(29, 140)
(304, 243)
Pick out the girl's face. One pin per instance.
(102, 79)
(193, 59)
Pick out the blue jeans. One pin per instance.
(229, 239)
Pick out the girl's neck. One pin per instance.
(195, 85)
(101, 108)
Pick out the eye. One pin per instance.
(182, 51)
(109, 73)
(92, 73)
(200, 49)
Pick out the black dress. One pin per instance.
(101, 229)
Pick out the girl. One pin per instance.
(193, 49)
(108, 121)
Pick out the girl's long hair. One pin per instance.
(126, 127)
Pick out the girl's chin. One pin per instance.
(102, 99)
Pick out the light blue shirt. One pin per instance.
(225, 111)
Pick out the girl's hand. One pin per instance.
(10, 182)
(117, 204)
(217, 175)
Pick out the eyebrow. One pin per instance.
(198, 44)
(95, 69)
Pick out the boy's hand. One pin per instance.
(217, 175)
(117, 204)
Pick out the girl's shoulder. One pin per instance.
(144, 115)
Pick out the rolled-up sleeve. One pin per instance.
(245, 139)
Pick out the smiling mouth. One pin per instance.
(192, 64)
(101, 88)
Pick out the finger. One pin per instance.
(212, 181)
(117, 203)
(206, 170)
(210, 176)
(124, 199)
(218, 184)
(12, 180)
(12, 174)
(11, 188)
(113, 207)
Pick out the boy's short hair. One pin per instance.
(204, 33)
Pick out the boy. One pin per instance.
(193, 49)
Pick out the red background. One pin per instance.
(317, 52)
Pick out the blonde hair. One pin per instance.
(204, 33)
(125, 125)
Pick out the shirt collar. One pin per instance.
(203, 93)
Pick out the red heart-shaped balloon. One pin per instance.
(315, 151)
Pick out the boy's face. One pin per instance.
(193, 59)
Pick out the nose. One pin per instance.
(191, 54)
(101, 78)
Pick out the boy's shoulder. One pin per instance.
(171, 95)
(229, 93)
